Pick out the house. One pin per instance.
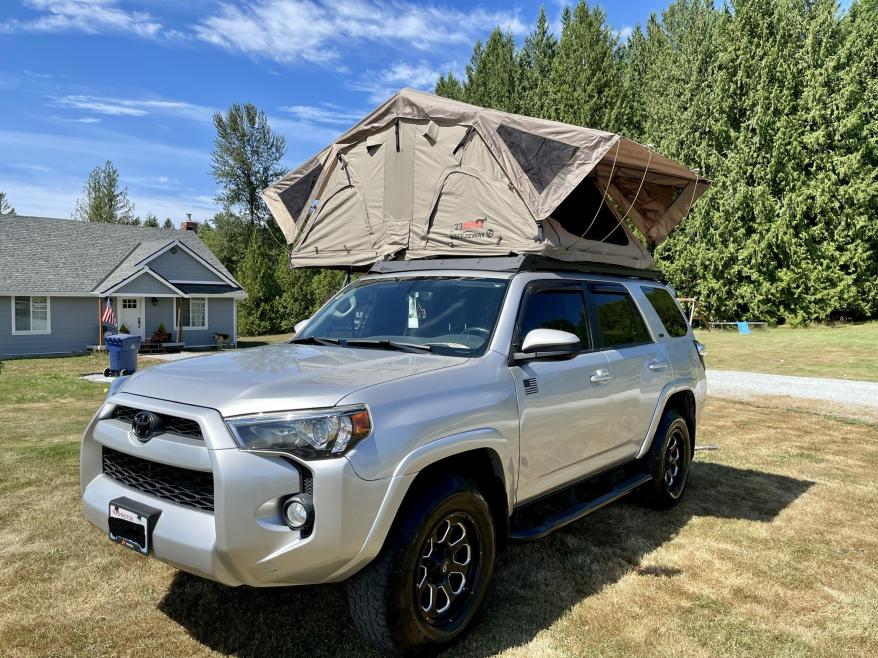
(56, 276)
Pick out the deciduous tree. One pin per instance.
(103, 200)
(245, 160)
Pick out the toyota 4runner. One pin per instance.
(427, 414)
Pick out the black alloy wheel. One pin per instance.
(449, 564)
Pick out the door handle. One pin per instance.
(602, 375)
(658, 365)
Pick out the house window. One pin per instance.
(129, 303)
(31, 315)
(194, 312)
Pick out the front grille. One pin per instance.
(177, 485)
(169, 424)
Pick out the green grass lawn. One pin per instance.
(773, 552)
(258, 341)
(847, 351)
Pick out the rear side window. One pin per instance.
(667, 310)
(618, 319)
(557, 309)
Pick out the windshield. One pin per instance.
(453, 315)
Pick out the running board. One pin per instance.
(560, 519)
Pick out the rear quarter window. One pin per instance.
(667, 310)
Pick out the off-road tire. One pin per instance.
(671, 437)
(383, 596)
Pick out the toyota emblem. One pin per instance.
(144, 425)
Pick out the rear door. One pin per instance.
(564, 419)
(639, 367)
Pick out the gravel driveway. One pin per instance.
(842, 392)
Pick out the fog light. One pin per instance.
(299, 511)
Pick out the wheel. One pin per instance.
(124, 373)
(668, 463)
(107, 372)
(432, 574)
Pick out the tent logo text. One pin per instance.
(471, 229)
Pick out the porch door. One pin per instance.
(131, 314)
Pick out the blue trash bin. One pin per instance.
(122, 349)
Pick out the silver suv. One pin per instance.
(424, 417)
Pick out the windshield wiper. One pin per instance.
(316, 340)
(414, 348)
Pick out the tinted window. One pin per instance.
(668, 311)
(619, 321)
(453, 316)
(556, 309)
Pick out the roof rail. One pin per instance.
(513, 263)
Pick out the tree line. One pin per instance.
(775, 101)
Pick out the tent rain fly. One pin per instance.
(424, 176)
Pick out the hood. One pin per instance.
(278, 377)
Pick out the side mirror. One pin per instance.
(548, 344)
(300, 325)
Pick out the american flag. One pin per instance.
(109, 317)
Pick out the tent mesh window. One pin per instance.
(576, 215)
(296, 195)
(540, 158)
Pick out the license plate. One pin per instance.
(131, 524)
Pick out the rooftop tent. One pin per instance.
(425, 176)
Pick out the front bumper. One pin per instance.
(244, 540)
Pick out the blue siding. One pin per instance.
(143, 285)
(161, 313)
(74, 323)
(181, 267)
(220, 319)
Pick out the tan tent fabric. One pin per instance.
(427, 176)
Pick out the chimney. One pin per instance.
(189, 225)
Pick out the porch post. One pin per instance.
(180, 320)
(100, 324)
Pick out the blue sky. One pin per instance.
(136, 82)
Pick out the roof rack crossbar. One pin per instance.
(511, 263)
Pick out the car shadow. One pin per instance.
(534, 585)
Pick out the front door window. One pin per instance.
(131, 315)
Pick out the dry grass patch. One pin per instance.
(774, 551)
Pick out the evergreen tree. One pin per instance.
(296, 300)
(103, 201)
(586, 79)
(168, 223)
(256, 274)
(245, 160)
(5, 207)
(449, 87)
(535, 64)
(492, 73)
(151, 221)
(227, 235)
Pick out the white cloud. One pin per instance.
(133, 107)
(382, 84)
(325, 113)
(80, 119)
(88, 16)
(316, 31)
(624, 33)
(58, 199)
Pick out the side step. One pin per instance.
(559, 518)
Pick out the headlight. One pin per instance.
(316, 434)
(116, 385)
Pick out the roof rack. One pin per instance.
(514, 263)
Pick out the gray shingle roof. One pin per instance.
(39, 254)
